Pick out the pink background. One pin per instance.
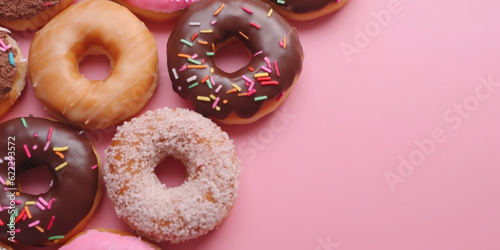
(390, 139)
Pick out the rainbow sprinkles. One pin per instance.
(196, 41)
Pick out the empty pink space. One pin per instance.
(390, 139)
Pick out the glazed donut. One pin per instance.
(104, 239)
(157, 10)
(304, 10)
(181, 213)
(12, 71)
(93, 27)
(29, 14)
(250, 92)
(58, 214)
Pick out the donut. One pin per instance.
(5, 247)
(157, 10)
(180, 213)
(29, 14)
(12, 71)
(104, 239)
(93, 27)
(304, 10)
(61, 212)
(251, 92)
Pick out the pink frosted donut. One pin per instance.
(101, 239)
(180, 213)
(157, 10)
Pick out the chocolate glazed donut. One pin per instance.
(250, 92)
(302, 10)
(56, 215)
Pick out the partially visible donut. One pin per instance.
(180, 213)
(12, 71)
(304, 10)
(157, 10)
(5, 247)
(29, 14)
(61, 212)
(86, 28)
(251, 92)
(105, 239)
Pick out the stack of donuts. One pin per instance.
(66, 33)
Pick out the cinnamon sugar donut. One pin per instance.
(29, 14)
(181, 213)
(94, 27)
(12, 71)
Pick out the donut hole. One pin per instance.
(232, 56)
(95, 64)
(171, 172)
(35, 180)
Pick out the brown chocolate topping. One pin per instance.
(23, 9)
(7, 71)
(302, 6)
(74, 188)
(269, 39)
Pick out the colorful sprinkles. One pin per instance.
(29, 211)
(219, 9)
(4, 47)
(255, 84)
(11, 59)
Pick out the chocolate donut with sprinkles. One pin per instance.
(29, 14)
(304, 10)
(251, 92)
(12, 71)
(63, 210)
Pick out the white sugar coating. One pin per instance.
(180, 213)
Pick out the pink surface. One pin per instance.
(390, 139)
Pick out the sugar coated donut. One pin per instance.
(303, 10)
(104, 239)
(12, 71)
(250, 92)
(61, 212)
(157, 10)
(93, 27)
(29, 14)
(180, 213)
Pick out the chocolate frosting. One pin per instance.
(302, 6)
(32, 141)
(274, 44)
(23, 9)
(7, 71)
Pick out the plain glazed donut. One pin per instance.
(105, 239)
(12, 71)
(250, 92)
(61, 212)
(29, 14)
(157, 10)
(93, 27)
(181, 213)
(304, 10)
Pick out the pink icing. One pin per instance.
(164, 6)
(98, 240)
